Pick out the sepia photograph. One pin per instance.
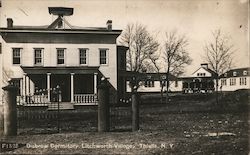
(124, 77)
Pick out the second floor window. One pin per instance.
(83, 56)
(16, 55)
(60, 56)
(38, 56)
(103, 56)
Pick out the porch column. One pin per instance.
(24, 86)
(72, 87)
(95, 83)
(48, 85)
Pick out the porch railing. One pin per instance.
(35, 100)
(85, 99)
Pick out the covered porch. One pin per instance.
(198, 85)
(78, 86)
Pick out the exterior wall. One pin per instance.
(237, 85)
(50, 57)
(157, 87)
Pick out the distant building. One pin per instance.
(152, 83)
(235, 79)
(200, 81)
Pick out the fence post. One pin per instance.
(10, 111)
(103, 107)
(135, 111)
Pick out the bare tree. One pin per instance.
(175, 56)
(219, 55)
(141, 46)
(156, 66)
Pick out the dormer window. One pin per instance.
(234, 73)
(244, 72)
(225, 75)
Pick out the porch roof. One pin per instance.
(61, 70)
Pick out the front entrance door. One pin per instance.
(64, 82)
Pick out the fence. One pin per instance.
(121, 116)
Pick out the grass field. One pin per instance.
(164, 129)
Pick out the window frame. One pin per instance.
(42, 55)
(234, 73)
(232, 81)
(86, 56)
(107, 56)
(64, 56)
(243, 81)
(245, 72)
(20, 56)
(224, 82)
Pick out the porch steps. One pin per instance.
(62, 106)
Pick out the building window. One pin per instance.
(149, 83)
(232, 81)
(225, 75)
(223, 82)
(201, 74)
(243, 81)
(234, 73)
(38, 56)
(60, 56)
(83, 56)
(16, 55)
(176, 83)
(244, 72)
(163, 83)
(103, 56)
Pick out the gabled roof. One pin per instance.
(207, 69)
(238, 72)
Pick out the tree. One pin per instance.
(141, 46)
(175, 56)
(156, 66)
(219, 55)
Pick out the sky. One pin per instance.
(194, 18)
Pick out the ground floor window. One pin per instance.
(149, 83)
(243, 81)
(232, 81)
(223, 82)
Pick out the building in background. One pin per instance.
(200, 81)
(235, 79)
(152, 83)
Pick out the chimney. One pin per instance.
(109, 25)
(9, 23)
(204, 65)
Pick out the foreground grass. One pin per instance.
(162, 132)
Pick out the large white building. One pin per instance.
(38, 58)
(202, 80)
(235, 79)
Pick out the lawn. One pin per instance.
(162, 131)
